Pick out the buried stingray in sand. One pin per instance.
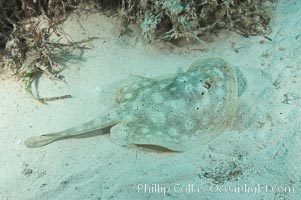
(178, 113)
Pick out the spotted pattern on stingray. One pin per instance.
(177, 112)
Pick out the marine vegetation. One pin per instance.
(159, 19)
(36, 45)
(14, 11)
(172, 19)
(35, 48)
(30, 33)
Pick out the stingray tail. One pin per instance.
(42, 140)
(77, 131)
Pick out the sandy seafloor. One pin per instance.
(262, 148)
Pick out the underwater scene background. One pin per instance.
(226, 129)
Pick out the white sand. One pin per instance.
(263, 147)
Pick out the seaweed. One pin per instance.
(35, 48)
(159, 19)
(10, 13)
(172, 19)
(31, 34)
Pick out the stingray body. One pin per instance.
(178, 112)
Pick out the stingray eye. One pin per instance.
(207, 85)
(183, 79)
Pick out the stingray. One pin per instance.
(177, 112)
